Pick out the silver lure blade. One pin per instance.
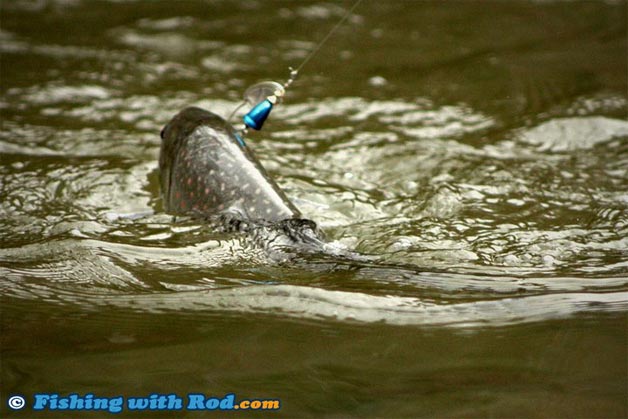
(261, 91)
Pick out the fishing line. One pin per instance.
(321, 43)
(263, 96)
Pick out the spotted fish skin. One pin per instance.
(206, 169)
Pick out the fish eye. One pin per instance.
(163, 132)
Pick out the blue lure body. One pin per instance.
(257, 116)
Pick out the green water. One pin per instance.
(478, 149)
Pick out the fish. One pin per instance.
(208, 172)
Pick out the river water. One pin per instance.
(477, 149)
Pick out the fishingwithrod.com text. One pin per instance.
(151, 402)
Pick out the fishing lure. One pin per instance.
(265, 95)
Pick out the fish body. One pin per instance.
(207, 171)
